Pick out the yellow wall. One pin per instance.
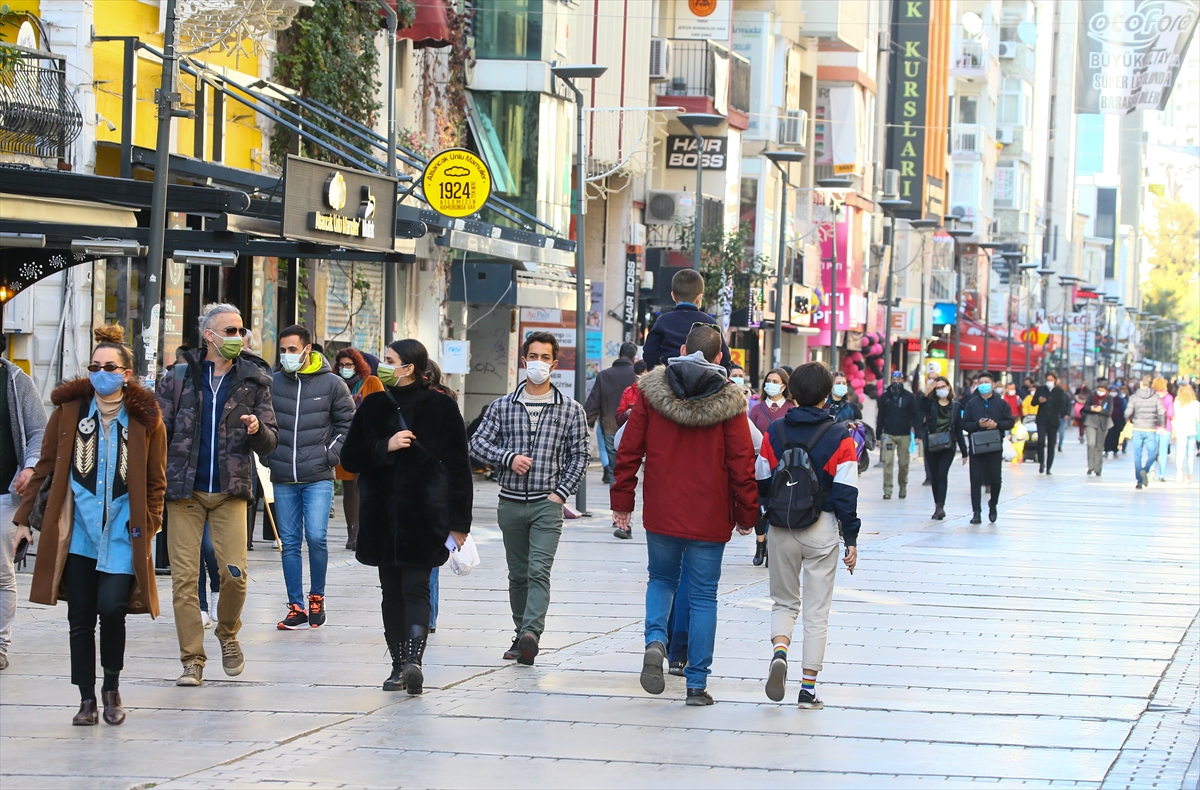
(9, 32)
(132, 18)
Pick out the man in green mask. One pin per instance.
(217, 411)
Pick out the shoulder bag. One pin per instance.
(985, 442)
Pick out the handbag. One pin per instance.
(937, 442)
(38, 514)
(985, 442)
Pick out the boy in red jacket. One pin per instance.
(690, 425)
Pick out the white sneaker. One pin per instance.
(205, 619)
(212, 606)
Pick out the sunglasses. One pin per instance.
(107, 367)
(708, 324)
(230, 331)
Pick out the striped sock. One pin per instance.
(780, 652)
(808, 683)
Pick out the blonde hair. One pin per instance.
(1185, 395)
(1159, 384)
(113, 336)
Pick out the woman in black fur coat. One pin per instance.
(409, 446)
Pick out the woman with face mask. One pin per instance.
(943, 432)
(408, 445)
(103, 460)
(841, 403)
(354, 370)
(773, 403)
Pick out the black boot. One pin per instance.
(760, 552)
(395, 682)
(938, 512)
(413, 678)
(352, 537)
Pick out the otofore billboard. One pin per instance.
(1130, 52)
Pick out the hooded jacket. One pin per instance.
(248, 392)
(1145, 410)
(27, 419)
(690, 425)
(314, 409)
(1056, 406)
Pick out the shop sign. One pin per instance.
(681, 152)
(456, 183)
(632, 283)
(906, 114)
(327, 204)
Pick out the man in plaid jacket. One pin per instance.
(537, 440)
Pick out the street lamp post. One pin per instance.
(959, 309)
(891, 207)
(836, 190)
(693, 121)
(568, 74)
(1090, 290)
(923, 225)
(779, 159)
(989, 247)
(1045, 273)
(1066, 281)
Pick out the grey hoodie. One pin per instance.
(1145, 410)
(27, 418)
(314, 410)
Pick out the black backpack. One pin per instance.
(796, 497)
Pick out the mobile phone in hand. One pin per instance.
(21, 550)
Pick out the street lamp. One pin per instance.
(568, 74)
(779, 159)
(989, 247)
(923, 225)
(1066, 281)
(958, 234)
(694, 120)
(1012, 261)
(835, 189)
(891, 207)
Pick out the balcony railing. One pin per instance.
(739, 83)
(967, 139)
(702, 68)
(971, 56)
(38, 116)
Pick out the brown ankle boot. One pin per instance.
(86, 717)
(352, 537)
(114, 713)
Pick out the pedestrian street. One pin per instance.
(1058, 647)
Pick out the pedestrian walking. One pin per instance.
(986, 419)
(841, 405)
(1053, 404)
(537, 440)
(22, 424)
(605, 398)
(313, 408)
(899, 416)
(943, 432)
(103, 458)
(434, 374)
(1026, 389)
(1097, 420)
(773, 401)
(690, 427)
(671, 328)
(354, 370)
(1164, 434)
(629, 396)
(812, 505)
(1186, 421)
(1013, 400)
(408, 445)
(217, 411)
(1112, 441)
(1147, 415)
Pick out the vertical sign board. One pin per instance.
(1130, 53)
(633, 256)
(906, 113)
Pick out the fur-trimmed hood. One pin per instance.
(691, 395)
(140, 403)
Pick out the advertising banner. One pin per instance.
(1130, 52)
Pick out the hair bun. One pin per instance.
(109, 333)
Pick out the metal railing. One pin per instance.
(739, 83)
(971, 56)
(700, 68)
(38, 116)
(967, 139)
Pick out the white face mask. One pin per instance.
(943, 393)
(537, 371)
(772, 389)
(291, 362)
(738, 381)
(347, 373)
(1049, 385)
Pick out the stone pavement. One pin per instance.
(1057, 647)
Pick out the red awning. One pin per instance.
(997, 350)
(430, 28)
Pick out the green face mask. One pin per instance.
(229, 347)
(387, 375)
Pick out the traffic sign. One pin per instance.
(456, 183)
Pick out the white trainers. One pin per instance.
(205, 619)
(212, 605)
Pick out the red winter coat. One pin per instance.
(628, 398)
(690, 425)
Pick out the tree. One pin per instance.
(732, 271)
(1172, 289)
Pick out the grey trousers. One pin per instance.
(1095, 447)
(8, 572)
(804, 563)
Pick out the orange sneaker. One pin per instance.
(297, 618)
(316, 611)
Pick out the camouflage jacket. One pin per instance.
(249, 393)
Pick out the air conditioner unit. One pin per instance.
(660, 60)
(793, 128)
(666, 208)
(1008, 50)
(1004, 135)
(891, 183)
(964, 213)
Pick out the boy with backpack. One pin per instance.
(813, 488)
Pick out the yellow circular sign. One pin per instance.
(456, 183)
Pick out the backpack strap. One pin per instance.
(813, 440)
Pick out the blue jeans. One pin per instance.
(208, 565)
(1164, 447)
(677, 623)
(433, 596)
(666, 558)
(1147, 442)
(303, 513)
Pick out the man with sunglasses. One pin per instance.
(22, 423)
(217, 411)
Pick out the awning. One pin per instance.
(430, 28)
(997, 351)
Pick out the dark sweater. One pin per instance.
(670, 332)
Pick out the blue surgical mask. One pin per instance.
(347, 373)
(291, 362)
(772, 389)
(738, 381)
(984, 389)
(106, 383)
(840, 390)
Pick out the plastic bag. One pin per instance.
(1010, 452)
(464, 558)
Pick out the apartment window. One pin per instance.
(1016, 102)
(509, 141)
(968, 109)
(965, 186)
(508, 29)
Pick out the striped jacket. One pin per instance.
(559, 449)
(835, 459)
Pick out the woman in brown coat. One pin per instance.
(104, 459)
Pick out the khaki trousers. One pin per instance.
(226, 517)
(812, 554)
(893, 446)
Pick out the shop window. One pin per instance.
(509, 140)
(508, 29)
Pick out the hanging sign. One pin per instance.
(456, 183)
(328, 204)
